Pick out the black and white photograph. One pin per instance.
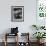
(17, 13)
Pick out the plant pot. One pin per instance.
(40, 41)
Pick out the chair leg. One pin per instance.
(5, 39)
(5, 43)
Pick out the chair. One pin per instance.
(7, 35)
(26, 41)
(14, 32)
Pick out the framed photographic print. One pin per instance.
(17, 13)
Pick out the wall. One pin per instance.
(29, 15)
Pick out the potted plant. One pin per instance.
(42, 27)
(39, 35)
(38, 27)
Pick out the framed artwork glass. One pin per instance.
(17, 13)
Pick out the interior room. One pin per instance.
(22, 22)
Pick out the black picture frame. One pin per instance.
(17, 13)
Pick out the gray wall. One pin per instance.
(29, 15)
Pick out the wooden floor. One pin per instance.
(13, 44)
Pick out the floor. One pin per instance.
(13, 44)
